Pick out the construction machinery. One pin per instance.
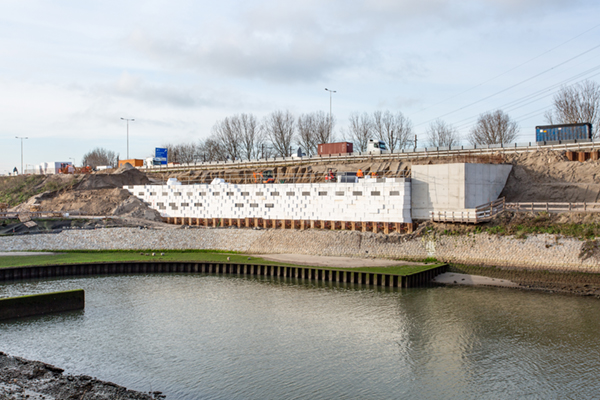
(264, 177)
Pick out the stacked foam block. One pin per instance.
(372, 200)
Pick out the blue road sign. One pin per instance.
(162, 154)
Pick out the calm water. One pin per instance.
(211, 337)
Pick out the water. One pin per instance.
(221, 337)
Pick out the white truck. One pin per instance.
(376, 147)
(154, 161)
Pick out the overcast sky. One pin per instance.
(70, 70)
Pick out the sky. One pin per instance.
(70, 70)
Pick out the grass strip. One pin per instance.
(211, 256)
(118, 256)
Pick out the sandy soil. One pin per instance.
(549, 176)
(336, 262)
(452, 278)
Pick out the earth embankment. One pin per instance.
(99, 194)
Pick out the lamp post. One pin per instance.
(127, 119)
(19, 137)
(330, 92)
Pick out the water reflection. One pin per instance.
(195, 336)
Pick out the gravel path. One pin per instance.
(336, 262)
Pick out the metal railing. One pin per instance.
(479, 214)
(487, 211)
(554, 207)
(404, 154)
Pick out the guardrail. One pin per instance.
(405, 154)
(554, 207)
(479, 214)
(485, 212)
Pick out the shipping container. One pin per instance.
(335, 148)
(135, 162)
(555, 133)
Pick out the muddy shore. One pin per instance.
(25, 379)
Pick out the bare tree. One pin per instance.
(307, 132)
(324, 127)
(360, 130)
(280, 128)
(250, 134)
(228, 134)
(440, 134)
(314, 129)
(100, 156)
(182, 153)
(393, 129)
(576, 104)
(494, 128)
(211, 150)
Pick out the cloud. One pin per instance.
(314, 41)
(136, 88)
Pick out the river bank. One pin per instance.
(21, 378)
(554, 262)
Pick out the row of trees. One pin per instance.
(244, 136)
(574, 104)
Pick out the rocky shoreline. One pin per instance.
(25, 379)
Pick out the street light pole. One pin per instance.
(127, 119)
(19, 137)
(330, 92)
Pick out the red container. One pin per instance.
(335, 148)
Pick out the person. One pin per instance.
(360, 174)
(330, 175)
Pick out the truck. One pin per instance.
(565, 132)
(334, 148)
(153, 161)
(376, 147)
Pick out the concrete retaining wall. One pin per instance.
(455, 187)
(41, 304)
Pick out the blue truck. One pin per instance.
(563, 133)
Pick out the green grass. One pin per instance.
(579, 231)
(17, 189)
(215, 256)
(76, 257)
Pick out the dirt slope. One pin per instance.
(126, 175)
(549, 176)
